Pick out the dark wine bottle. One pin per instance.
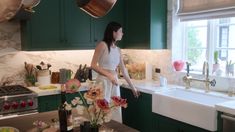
(65, 116)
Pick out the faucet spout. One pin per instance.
(205, 70)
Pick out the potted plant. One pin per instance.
(30, 76)
(216, 64)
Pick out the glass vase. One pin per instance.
(87, 127)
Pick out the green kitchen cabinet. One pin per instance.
(84, 31)
(61, 25)
(219, 122)
(52, 102)
(138, 113)
(48, 103)
(165, 124)
(77, 27)
(43, 29)
(145, 24)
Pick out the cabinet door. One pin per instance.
(129, 114)
(165, 124)
(48, 103)
(78, 30)
(145, 115)
(137, 20)
(145, 24)
(138, 114)
(42, 31)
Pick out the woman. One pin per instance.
(107, 57)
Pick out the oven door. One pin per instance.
(228, 122)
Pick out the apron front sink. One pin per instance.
(191, 107)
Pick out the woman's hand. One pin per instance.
(135, 92)
(113, 79)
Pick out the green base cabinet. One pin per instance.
(52, 102)
(145, 24)
(138, 113)
(165, 124)
(62, 25)
(48, 103)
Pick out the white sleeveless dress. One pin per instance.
(110, 61)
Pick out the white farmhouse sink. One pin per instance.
(195, 108)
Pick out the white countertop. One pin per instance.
(226, 107)
(57, 90)
(145, 86)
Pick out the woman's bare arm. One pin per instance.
(127, 77)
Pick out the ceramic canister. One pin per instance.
(43, 77)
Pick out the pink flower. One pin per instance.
(94, 93)
(72, 85)
(103, 104)
(92, 103)
(118, 101)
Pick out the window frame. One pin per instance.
(212, 42)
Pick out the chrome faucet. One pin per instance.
(188, 79)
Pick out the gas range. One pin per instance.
(16, 99)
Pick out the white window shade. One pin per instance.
(205, 9)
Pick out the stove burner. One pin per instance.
(13, 90)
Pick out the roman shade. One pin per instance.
(205, 9)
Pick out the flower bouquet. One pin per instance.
(95, 107)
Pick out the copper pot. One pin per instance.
(29, 4)
(96, 8)
(8, 9)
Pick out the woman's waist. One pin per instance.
(110, 70)
(114, 72)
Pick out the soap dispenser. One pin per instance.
(156, 74)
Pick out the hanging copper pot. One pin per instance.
(29, 4)
(8, 9)
(96, 8)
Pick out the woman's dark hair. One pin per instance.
(108, 34)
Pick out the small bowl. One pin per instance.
(8, 129)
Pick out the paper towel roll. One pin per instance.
(148, 71)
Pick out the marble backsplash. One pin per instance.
(12, 60)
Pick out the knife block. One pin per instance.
(83, 74)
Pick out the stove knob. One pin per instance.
(23, 104)
(30, 102)
(6, 106)
(14, 105)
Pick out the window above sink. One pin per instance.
(196, 35)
